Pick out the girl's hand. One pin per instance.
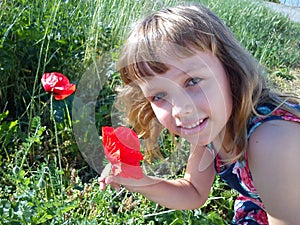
(117, 181)
(107, 180)
(136, 177)
(131, 184)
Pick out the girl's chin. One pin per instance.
(197, 141)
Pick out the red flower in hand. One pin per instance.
(122, 149)
(58, 84)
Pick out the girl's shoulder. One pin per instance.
(268, 112)
(273, 131)
(273, 127)
(273, 157)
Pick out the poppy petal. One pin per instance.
(58, 84)
(122, 149)
(130, 171)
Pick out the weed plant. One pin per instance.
(44, 179)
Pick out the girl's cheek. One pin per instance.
(161, 114)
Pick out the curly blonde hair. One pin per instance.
(190, 27)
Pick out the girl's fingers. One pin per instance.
(102, 186)
(103, 181)
(110, 180)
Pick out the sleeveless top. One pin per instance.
(248, 207)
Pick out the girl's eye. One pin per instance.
(158, 96)
(193, 81)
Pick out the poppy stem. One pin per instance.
(56, 141)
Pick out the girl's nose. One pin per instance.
(182, 105)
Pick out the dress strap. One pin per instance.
(268, 113)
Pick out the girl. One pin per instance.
(184, 70)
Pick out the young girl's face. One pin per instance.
(192, 99)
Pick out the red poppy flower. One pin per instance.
(122, 149)
(58, 84)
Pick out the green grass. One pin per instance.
(44, 177)
(269, 36)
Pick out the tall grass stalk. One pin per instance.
(271, 37)
(56, 140)
(117, 16)
(45, 51)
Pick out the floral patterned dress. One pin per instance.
(248, 207)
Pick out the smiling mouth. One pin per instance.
(193, 125)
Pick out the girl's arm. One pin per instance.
(189, 192)
(274, 155)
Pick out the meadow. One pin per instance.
(44, 177)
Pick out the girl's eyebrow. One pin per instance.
(146, 81)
